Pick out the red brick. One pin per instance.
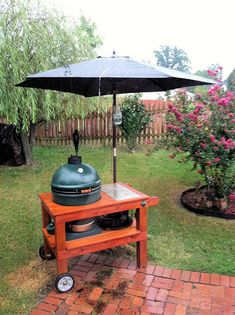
(225, 281)
(108, 261)
(180, 310)
(185, 275)
(132, 265)
(167, 273)
(218, 291)
(137, 301)
(85, 257)
(126, 271)
(55, 294)
(195, 277)
(39, 312)
(215, 279)
(148, 280)
(232, 282)
(47, 307)
(52, 300)
(173, 300)
(150, 269)
(162, 295)
(205, 278)
(136, 293)
(230, 292)
(82, 307)
(117, 262)
(179, 295)
(176, 274)
(162, 283)
(95, 294)
(125, 302)
(110, 309)
(151, 294)
(81, 268)
(90, 276)
(100, 259)
(139, 277)
(80, 274)
(93, 258)
(71, 298)
(124, 263)
(63, 309)
(178, 286)
(169, 309)
(138, 287)
(155, 309)
(84, 264)
(113, 282)
(158, 270)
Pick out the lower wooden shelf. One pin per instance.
(97, 242)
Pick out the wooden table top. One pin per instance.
(116, 196)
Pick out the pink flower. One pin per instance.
(224, 101)
(192, 116)
(212, 138)
(212, 73)
(200, 171)
(203, 145)
(229, 144)
(209, 163)
(214, 89)
(230, 94)
(232, 196)
(216, 160)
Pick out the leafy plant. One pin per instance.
(135, 118)
(204, 129)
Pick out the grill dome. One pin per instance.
(75, 183)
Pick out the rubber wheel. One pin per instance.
(64, 282)
(41, 252)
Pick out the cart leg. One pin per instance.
(141, 246)
(60, 237)
(62, 266)
(46, 219)
(141, 253)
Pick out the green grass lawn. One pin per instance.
(177, 238)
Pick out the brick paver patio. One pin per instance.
(108, 285)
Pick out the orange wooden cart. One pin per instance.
(57, 246)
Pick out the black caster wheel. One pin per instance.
(64, 282)
(42, 254)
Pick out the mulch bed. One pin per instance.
(198, 201)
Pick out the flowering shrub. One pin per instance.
(204, 128)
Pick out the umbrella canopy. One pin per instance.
(103, 76)
(113, 75)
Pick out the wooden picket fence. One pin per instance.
(96, 128)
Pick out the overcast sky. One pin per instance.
(204, 29)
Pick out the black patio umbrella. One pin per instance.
(112, 75)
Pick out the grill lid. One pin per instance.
(76, 177)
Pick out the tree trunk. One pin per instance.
(27, 142)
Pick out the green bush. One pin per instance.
(134, 119)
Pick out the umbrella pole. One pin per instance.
(114, 144)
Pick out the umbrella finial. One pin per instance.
(114, 53)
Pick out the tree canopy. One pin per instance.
(33, 39)
(173, 58)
